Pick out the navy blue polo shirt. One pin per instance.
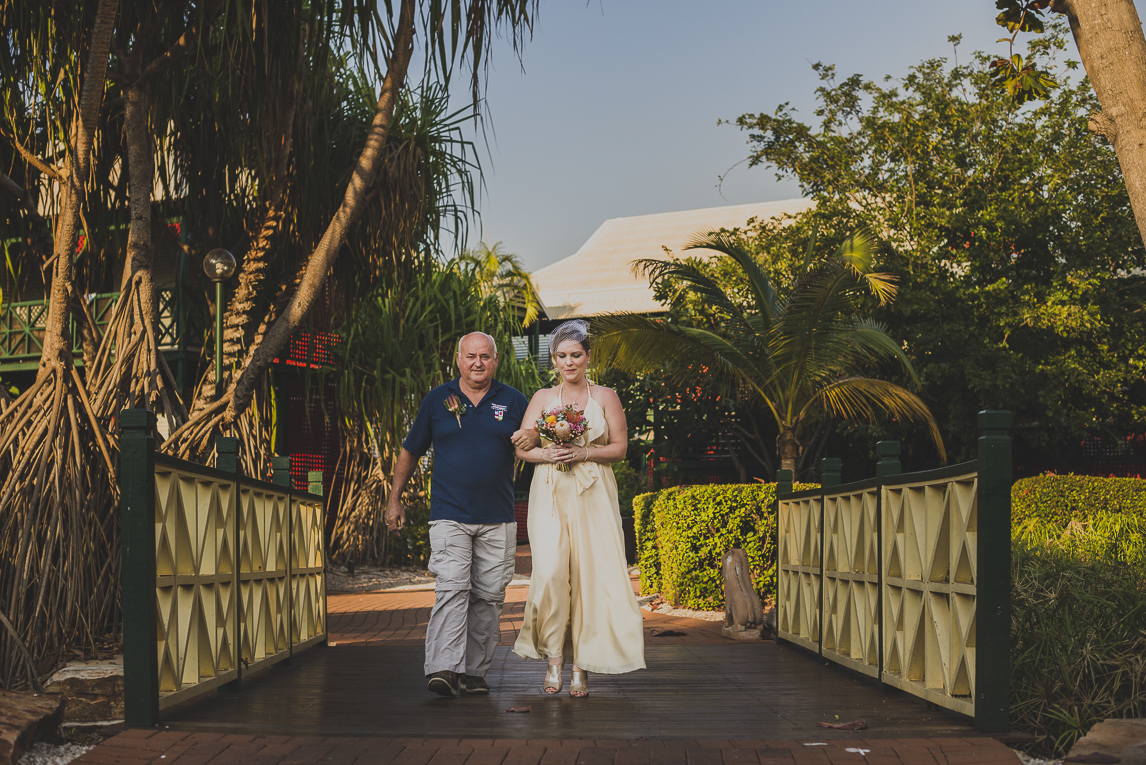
(473, 463)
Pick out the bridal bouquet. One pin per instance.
(561, 426)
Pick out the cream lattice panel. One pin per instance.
(851, 580)
(264, 602)
(799, 571)
(194, 584)
(930, 545)
(308, 579)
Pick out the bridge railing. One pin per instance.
(906, 577)
(223, 575)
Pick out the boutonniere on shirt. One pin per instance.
(456, 407)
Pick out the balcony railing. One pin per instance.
(22, 327)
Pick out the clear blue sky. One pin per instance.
(615, 113)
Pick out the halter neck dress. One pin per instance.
(581, 604)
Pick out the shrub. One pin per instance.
(648, 552)
(1061, 499)
(629, 484)
(1078, 638)
(696, 525)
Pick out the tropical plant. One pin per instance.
(799, 351)
(502, 274)
(54, 457)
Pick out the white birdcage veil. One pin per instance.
(576, 330)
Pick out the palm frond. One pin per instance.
(857, 252)
(868, 399)
(639, 344)
(763, 293)
(695, 280)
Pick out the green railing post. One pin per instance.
(783, 486)
(227, 460)
(888, 464)
(887, 467)
(137, 583)
(227, 454)
(830, 467)
(783, 482)
(314, 479)
(993, 609)
(280, 471)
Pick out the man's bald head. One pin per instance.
(477, 337)
(477, 360)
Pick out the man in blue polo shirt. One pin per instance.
(473, 424)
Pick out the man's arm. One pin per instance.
(525, 439)
(396, 514)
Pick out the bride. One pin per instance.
(581, 607)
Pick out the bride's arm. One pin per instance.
(614, 451)
(550, 453)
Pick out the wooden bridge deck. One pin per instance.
(698, 686)
(704, 700)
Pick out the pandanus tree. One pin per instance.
(800, 351)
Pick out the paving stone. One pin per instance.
(92, 690)
(26, 718)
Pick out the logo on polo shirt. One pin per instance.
(499, 411)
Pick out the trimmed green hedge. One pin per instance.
(1060, 499)
(697, 525)
(648, 553)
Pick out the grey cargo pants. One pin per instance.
(472, 563)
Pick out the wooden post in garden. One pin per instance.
(280, 471)
(993, 621)
(137, 585)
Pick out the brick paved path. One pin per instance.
(137, 747)
(399, 619)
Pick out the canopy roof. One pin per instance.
(596, 279)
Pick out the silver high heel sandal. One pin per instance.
(579, 684)
(552, 679)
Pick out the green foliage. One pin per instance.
(1059, 500)
(1023, 80)
(630, 482)
(697, 525)
(801, 350)
(501, 274)
(1021, 283)
(1078, 639)
(648, 551)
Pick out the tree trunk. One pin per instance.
(324, 255)
(57, 352)
(238, 322)
(1110, 43)
(789, 448)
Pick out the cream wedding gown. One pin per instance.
(581, 604)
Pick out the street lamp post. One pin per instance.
(219, 265)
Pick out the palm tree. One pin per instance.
(502, 275)
(800, 353)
